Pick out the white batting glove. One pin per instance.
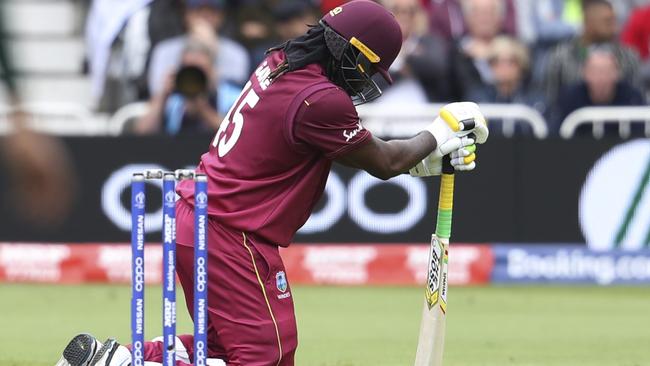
(455, 121)
(462, 159)
(456, 129)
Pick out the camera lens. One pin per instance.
(191, 81)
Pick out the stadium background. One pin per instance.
(540, 228)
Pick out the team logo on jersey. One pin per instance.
(352, 134)
(281, 281)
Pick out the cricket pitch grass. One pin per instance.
(367, 326)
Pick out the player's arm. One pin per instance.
(386, 159)
(422, 154)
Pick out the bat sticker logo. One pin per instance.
(432, 291)
(444, 283)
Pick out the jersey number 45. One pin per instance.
(224, 143)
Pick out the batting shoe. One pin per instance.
(86, 350)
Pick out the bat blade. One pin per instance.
(434, 318)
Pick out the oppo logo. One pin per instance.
(351, 200)
(118, 183)
(341, 200)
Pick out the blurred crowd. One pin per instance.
(190, 58)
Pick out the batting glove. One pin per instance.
(456, 129)
(462, 159)
(456, 121)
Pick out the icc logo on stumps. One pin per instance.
(281, 281)
(170, 199)
(139, 200)
(201, 199)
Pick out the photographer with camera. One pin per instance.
(192, 100)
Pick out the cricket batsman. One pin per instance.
(267, 167)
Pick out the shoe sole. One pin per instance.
(80, 350)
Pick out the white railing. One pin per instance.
(124, 115)
(401, 120)
(598, 116)
(392, 121)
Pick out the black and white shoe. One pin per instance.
(86, 350)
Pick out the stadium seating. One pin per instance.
(48, 50)
(48, 53)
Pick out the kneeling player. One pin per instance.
(268, 165)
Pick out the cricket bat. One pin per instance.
(434, 313)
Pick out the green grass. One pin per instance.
(545, 326)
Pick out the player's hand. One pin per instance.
(462, 159)
(455, 122)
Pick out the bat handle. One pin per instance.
(447, 168)
(446, 200)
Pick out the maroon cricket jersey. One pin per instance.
(268, 163)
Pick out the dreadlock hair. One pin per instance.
(282, 69)
(301, 51)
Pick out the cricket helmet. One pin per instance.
(364, 38)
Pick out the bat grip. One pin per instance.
(447, 168)
(446, 200)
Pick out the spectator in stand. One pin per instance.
(193, 99)
(509, 60)
(601, 85)
(117, 47)
(564, 66)
(636, 35)
(419, 72)
(203, 19)
(165, 20)
(625, 8)
(264, 25)
(255, 30)
(469, 56)
(636, 32)
(119, 39)
(547, 22)
(327, 5)
(292, 19)
(446, 18)
(542, 24)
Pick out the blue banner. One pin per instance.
(554, 264)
